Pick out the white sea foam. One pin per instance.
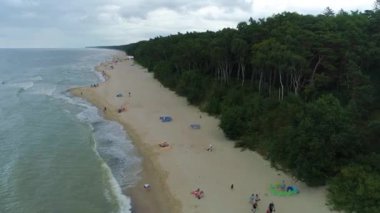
(22, 85)
(89, 114)
(123, 201)
(113, 146)
(100, 76)
(50, 79)
(36, 78)
(43, 89)
(117, 150)
(68, 98)
(116, 194)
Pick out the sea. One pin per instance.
(57, 152)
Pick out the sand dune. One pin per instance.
(186, 165)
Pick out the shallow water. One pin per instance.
(57, 154)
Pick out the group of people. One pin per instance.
(289, 188)
(121, 109)
(104, 75)
(198, 193)
(94, 85)
(254, 199)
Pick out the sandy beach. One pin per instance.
(174, 172)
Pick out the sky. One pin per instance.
(80, 23)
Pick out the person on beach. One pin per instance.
(210, 148)
(129, 94)
(271, 208)
(257, 198)
(254, 207)
(147, 187)
(252, 198)
(163, 144)
(195, 192)
(198, 193)
(232, 186)
(104, 109)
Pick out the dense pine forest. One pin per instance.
(302, 90)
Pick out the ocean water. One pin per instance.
(57, 153)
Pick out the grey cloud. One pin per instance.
(73, 15)
(143, 7)
(76, 23)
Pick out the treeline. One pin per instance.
(301, 90)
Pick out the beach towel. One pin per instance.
(195, 126)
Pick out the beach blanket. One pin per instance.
(165, 118)
(290, 190)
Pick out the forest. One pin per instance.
(301, 90)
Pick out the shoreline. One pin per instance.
(158, 200)
(173, 173)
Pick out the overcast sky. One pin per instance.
(80, 23)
